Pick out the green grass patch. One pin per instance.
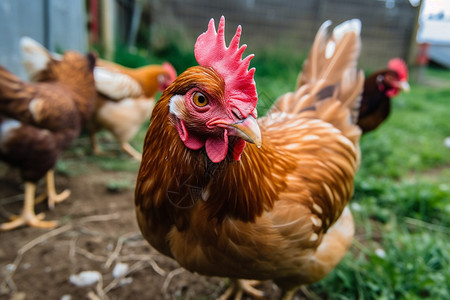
(406, 264)
(412, 139)
(401, 205)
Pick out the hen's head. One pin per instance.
(214, 105)
(395, 79)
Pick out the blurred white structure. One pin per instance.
(435, 29)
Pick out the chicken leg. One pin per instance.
(289, 294)
(28, 216)
(131, 151)
(240, 286)
(50, 193)
(94, 145)
(53, 197)
(126, 147)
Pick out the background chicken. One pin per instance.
(38, 121)
(42, 66)
(273, 208)
(125, 96)
(125, 99)
(379, 88)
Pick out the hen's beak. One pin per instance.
(247, 129)
(404, 85)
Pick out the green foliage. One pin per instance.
(407, 264)
(134, 59)
(117, 186)
(276, 73)
(401, 205)
(177, 56)
(412, 139)
(419, 199)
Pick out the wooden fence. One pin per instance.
(388, 25)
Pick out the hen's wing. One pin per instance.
(35, 57)
(116, 85)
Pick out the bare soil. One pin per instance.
(97, 231)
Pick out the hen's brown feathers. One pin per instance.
(73, 73)
(12, 87)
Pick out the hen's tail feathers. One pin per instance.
(330, 85)
(35, 57)
(11, 86)
(15, 96)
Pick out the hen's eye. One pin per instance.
(199, 99)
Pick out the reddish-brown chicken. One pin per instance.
(38, 121)
(379, 88)
(43, 66)
(225, 195)
(125, 96)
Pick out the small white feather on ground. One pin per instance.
(85, 278)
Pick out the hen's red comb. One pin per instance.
(211, 51)
(399, 66)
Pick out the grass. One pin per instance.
(401, 205)
(402, 190)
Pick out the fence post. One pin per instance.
(108, 12)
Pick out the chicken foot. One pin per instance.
(240, 286)
(289, 294)
(28, 215)
(51, 194)
(131, 151)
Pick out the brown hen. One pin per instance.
(379, 88)
(225, 195)
(38, 121)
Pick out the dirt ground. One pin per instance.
(97, 231)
